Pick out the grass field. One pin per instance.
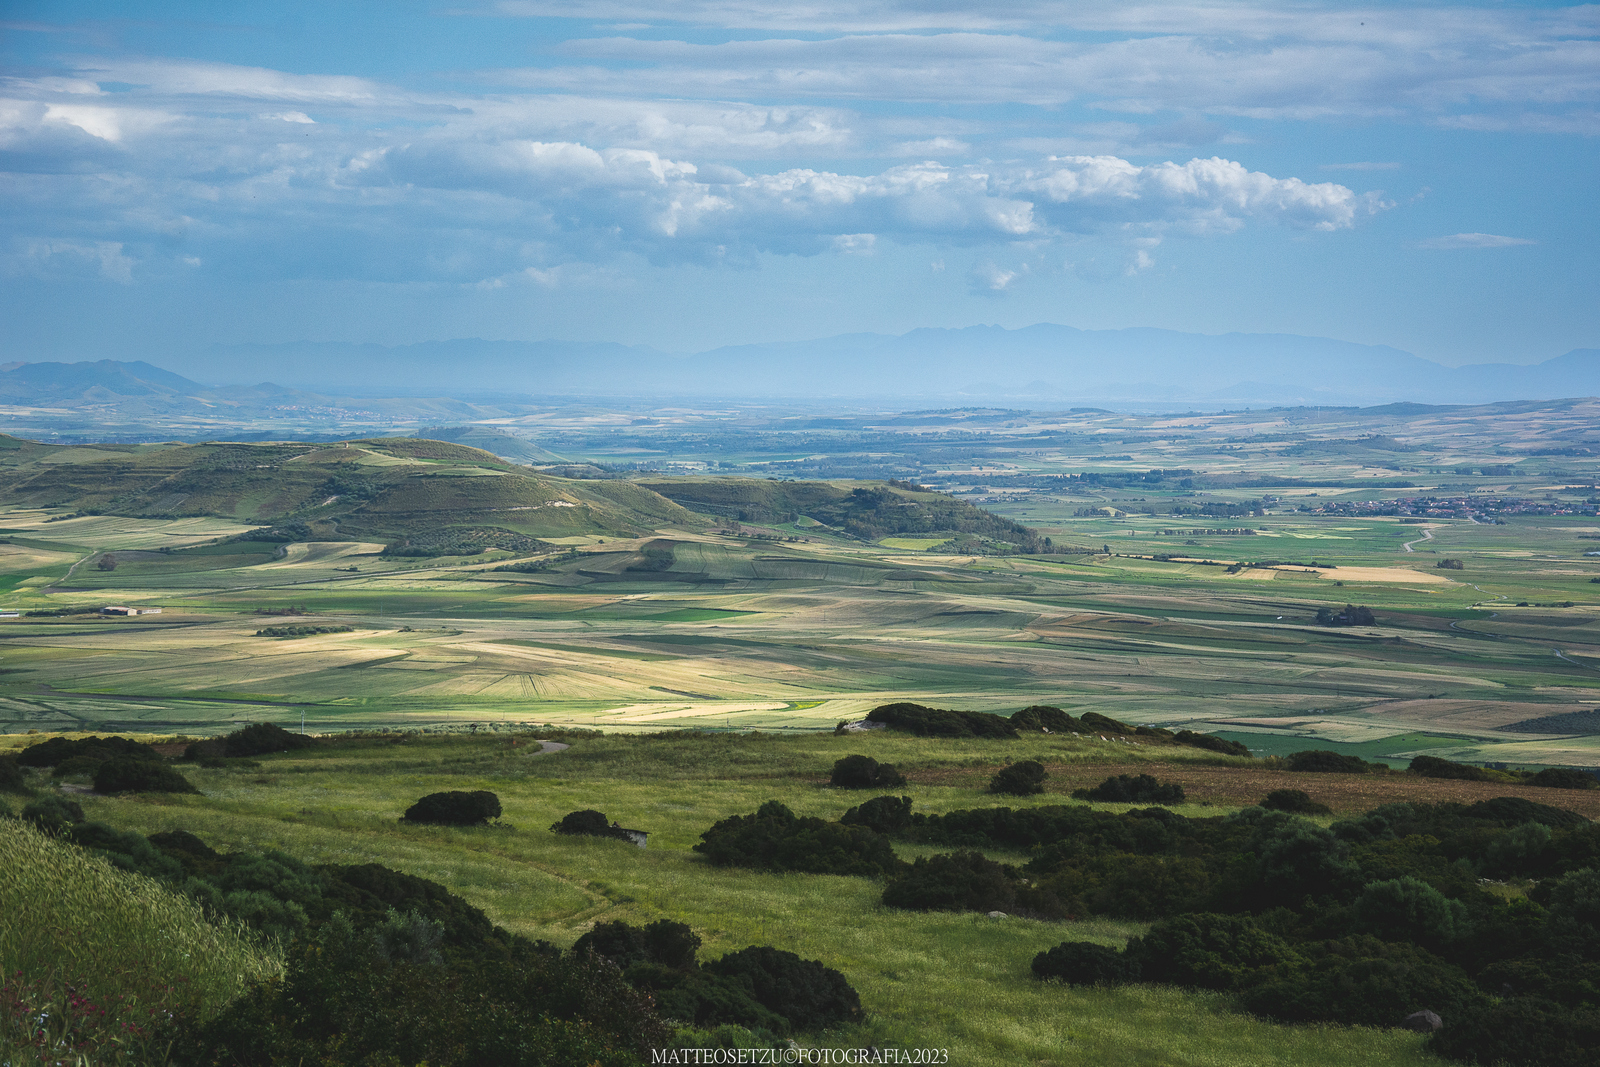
(955, 981)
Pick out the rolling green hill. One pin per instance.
(379, 489)
(869, 512)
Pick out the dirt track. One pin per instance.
(1240, 786)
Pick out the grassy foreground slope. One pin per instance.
(927, 980)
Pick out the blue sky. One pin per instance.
(181, 174)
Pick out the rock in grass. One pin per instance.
(126, 775)
(454, 808)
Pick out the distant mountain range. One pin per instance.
(1043, 366)
(1040, 366)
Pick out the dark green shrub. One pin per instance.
(1564, 778)
(663, 943)
(1085, 963)
(1362, 981)
(864, 772)
(1050, 720)
(125, 775)
(53, 814)
(12, 777)
(363, 892)
(1104, 724)
(215, 748)
(1207, 951)
(77, 765)
(1434, 767)
(937, 722)
(885, 815)
(1322, 761)
(1522, 1031)
(455, 808)
(1295, 802)
(1133, 789)
(956, 881)
(1409, 909)
(129, 851)
(775, 839)
(264, 738)
(700, 998)
(1019, 779)
(51, 752)
(588, 823)
(1296, 859)
(1211, 743)
(805, 992)
(1515, 810)
(523, 1005)
(1519, 850)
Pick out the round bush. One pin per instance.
(1524, 1031)
(587, 823)
(805, 992)
(124, 775)
(1019, 779)
(454, 809)
(1323, 761)
(1294, 801)
(955, 881)
(1206, 951)
(263, 738)
(1133, 789)
(864, 772)
(52, 813)
(884, 815)
(12, 778)
(1085, 963)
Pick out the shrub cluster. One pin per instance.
(1020, 779)
(937, 722)
(455, 808)
(760, 988)
(302, 631)
(12, 777)
(1434, 767)
(864, 772)
(1324, 761)
(588, 823)
(1359, 924)
(128, 775)
(885, 815)
(257, 739)
(385, 967)
(59, 749)
(1133, 789)
(1295, 802)
(1053, 720)
(775, 839)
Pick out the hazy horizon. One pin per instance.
(180, 176)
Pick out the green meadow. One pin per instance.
(927, 980)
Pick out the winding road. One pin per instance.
(1427, 535)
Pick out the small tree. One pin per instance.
(108, 562)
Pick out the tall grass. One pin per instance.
(96, 962)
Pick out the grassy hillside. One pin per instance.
(868, 512)
(381, 489)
